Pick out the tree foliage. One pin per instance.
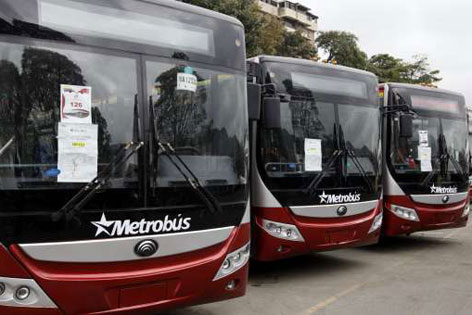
(342, 48)
(391, 69)
(293, 44)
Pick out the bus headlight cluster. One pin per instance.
(282, 230)
(234, 261)
(466, 210)
(405, 213)
(377, 223)
(19, 292)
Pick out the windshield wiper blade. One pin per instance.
(6, 146)
(317, 180)
(78, 201)
(361, 169)
(207, 197)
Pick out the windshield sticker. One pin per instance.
(77, 153)
(423, 136)
(339, 198)
(186, 82)
(128, 227)
(443, 190)
(76, 104)
(424, 155)
(313, 155)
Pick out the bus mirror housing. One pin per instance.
(406, 126)
(254, 101)
(272, 114)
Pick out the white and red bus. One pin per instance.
(123, 156)
(316, 157)
(426, 158)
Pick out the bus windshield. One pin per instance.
(339, 110)
(190, 93)
(439, 129)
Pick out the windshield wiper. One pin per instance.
(341, 151)
(210, 201)
(78, 201)
(6, 146)
(207, 197)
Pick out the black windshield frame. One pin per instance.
(28, 223)
(421, 182)
(284, 188)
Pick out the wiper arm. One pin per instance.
(207, 197)
(317, 180)
(359, 166)
(6, 146)
(428, 178)
(78, 201)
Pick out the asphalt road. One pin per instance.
(425, 273)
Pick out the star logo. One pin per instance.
(324, 197)
(103, 225)
(433, 189)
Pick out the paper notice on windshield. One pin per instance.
(423, 137)
(77, 152)
(76, 104)
(186, 82)
(313, 156)
(424, 155)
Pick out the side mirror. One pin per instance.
(406, 126)
(254, 101)
(272, 114)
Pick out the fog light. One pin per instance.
(2, 288)
(22, 293)
(466, 211)
(377, 223)
(282, 230)
(231, 285)
(405, 213)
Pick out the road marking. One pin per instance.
(323, 304)
(331, 299)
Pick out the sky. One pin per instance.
(438, 29)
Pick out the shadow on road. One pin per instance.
(269, 273)
(408, 243)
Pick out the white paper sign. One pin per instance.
(424, 155)
(77, 152)
(186, 82)
(313, 155)
(76, 104)
(423, 137)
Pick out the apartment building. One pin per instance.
(294, 15)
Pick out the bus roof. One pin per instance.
(422, 88)
(195, 10)
(298, 61)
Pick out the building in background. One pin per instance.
(295, 16)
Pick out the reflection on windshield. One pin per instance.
(404, 153)
(29, 111)
(205, 127)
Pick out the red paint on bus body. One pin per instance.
(143, 286)
(320, 234)
(432, 217)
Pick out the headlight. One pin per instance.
(282, 230)
(234, 261)
(405, 213)
(466, 210)
(377, 223)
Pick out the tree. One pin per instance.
(391, 69)
(418, 72)
(293, 44)
(342, 48)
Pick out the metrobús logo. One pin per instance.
(339, 198)
(443, 190)
(128, 227)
